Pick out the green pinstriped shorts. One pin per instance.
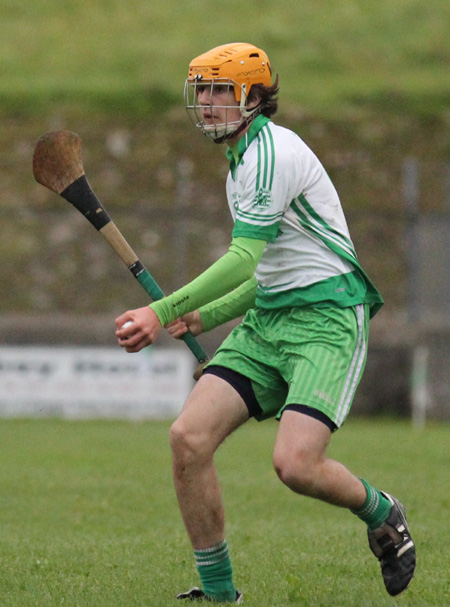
(303, 356)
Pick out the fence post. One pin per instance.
(184, 168)
(447, 187)
(411, 193)
(420, 395)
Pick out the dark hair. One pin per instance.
(267, 94)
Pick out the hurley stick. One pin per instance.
(57, 165)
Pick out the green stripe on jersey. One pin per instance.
(266, 159)
(259, 217)
(312, 222)
(342, 291)
(266, 232)
(234, 155)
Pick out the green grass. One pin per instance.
(331, 55)
(88, 517)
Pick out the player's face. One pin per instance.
(218, 104)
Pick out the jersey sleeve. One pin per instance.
(230, 306)
(270, 179)
(231, 270)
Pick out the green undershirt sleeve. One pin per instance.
(230, 306)
(226, 274)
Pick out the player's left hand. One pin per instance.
(189, 322)
(143, 330)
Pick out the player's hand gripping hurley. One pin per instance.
(57, 165)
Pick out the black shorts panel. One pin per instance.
(240, 383)
(315, 413)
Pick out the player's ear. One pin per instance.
(254, 99)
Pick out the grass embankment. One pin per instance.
(330, 56)
(366, 86)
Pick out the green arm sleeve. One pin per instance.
(235, 267)
(230, 306)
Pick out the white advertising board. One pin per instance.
(93, 382)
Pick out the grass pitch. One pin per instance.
(89, 518)
(331, 56)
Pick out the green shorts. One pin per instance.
(300, 356)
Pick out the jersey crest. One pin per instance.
(262, 199)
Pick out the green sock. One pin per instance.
(375, 509)
(214, 567)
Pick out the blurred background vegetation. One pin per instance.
(365, 84)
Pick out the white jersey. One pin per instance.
(279, 191)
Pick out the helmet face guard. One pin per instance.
(230, 70)
(232, 116)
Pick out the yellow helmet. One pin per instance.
(235, 67)
(240, 62)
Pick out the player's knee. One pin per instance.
(295, 469)
(187, 445)
(181, 441)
